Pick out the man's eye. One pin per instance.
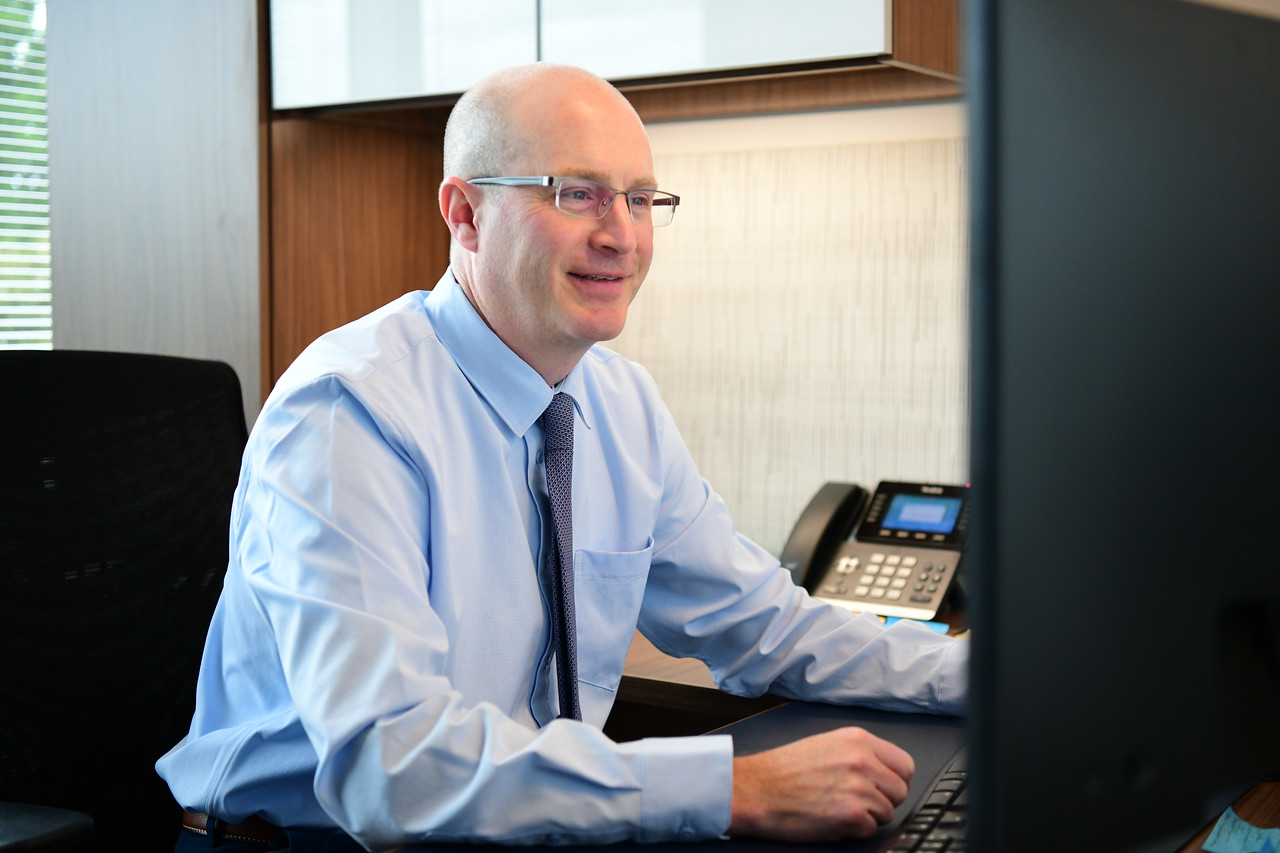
(641, 199)
(576, 193)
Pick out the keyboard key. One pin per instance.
(939, 823)
(906, 843)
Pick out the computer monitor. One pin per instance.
(1125, 592)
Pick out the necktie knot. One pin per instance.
(557, 424)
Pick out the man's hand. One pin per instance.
(840, 784)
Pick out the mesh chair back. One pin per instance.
(116, 477)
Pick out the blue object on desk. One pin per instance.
(940, 627)
(1233, 835)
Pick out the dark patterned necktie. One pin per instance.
(557, 431)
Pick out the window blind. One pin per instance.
(26, 315)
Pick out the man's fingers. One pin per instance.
(902, 767)
(887, 766)
(839, 784)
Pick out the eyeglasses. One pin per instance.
(592, 200)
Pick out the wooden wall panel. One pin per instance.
(354, 222)
(927, 36)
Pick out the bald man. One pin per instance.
(382, 667)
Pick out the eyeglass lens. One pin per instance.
(580, 197)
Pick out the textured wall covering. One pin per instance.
(806, 314)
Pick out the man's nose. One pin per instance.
(616, 228)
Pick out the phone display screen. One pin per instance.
(931, 515)
(922, 513)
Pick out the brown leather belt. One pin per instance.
(252, 829)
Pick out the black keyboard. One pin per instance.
(941, 819)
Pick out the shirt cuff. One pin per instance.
(687, 787)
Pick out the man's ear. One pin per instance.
(458, 207)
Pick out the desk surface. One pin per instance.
(788, 721)
(1259, 806)
(645, 661)
(934, 740)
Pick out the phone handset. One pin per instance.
(826, 522)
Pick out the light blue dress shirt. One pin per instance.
(379, 659)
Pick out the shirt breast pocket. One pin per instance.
(608, 588)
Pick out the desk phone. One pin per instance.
(895, 552)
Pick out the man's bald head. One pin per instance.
(491, 125)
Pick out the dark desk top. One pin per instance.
(931, 741)
(656, 681)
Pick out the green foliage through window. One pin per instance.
(26, 317)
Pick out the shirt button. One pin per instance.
(539, 457)
(686, 833)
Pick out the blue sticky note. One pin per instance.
(1233, 835)
(939, 627)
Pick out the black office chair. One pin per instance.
(116, 477)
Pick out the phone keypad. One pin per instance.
(889, 581)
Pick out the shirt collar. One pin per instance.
(517, 393)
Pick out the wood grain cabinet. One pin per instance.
(350, 173)
(345, 52)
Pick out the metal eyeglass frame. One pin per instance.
(658, 197)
